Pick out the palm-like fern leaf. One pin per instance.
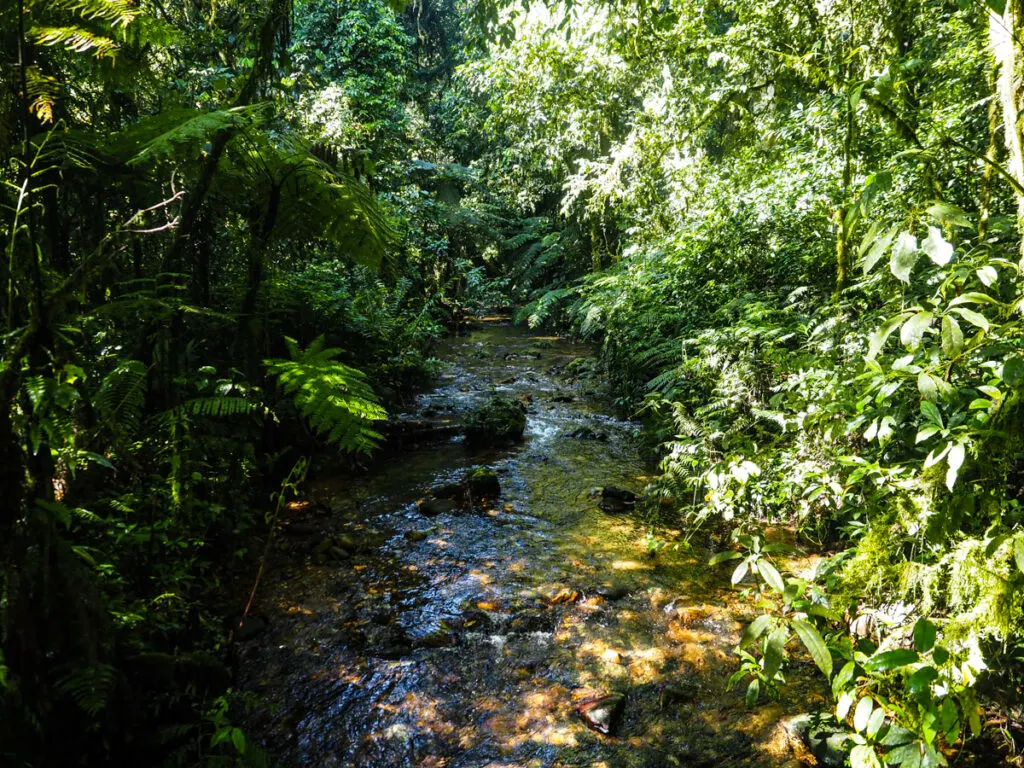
(121, 396)
(335, 399)
(180, 133)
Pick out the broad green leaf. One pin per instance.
(908, 755)
(774, 652)
(753, 631)
(928, 386)
(904, 256)
(862, 713)
(844, 676)
(740, 572)
(771, 576)
(844, 704)
(722, 557)
(949, 213)
(998, 6)
(1013, 371)
(877, 248)
(952, 336)
(954, 460)
(913, 330)
(948, 715)
(875, 722)
(973, 297)
(870, 237)
(879, 337)
(932, 413)
(987, 275)
(815, 645)
(940, 655)
(924, 635)
(927, 432)
(972, 317)
(753, 691)
(863, 756)
(1018, 551)
(887, 660)
(938, 249)
(921, 680)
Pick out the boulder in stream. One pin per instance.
(483, 482)
(499, 422)
(602, 713)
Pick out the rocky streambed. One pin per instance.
(485, 602)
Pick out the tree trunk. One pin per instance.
(1002, 34)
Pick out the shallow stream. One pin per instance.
(469, 638)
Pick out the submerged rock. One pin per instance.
(499, 422)
(557, 594)
(535, 620)
(387, 642)
(615, 500)
(602, 713)
(586, 433)
(613, 590)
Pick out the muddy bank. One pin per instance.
(510, 627)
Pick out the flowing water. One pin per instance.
(469, 638)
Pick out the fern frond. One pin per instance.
(218, 407)
(121, 396)
(75, 39)
(336, 401)
(179, 133)
(89, 687)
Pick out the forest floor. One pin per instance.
(401, 628)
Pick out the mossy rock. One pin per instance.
(483, 482)
(499, 422)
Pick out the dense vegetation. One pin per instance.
(233, 230)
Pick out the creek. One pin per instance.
(473, 637)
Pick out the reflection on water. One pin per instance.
(468, 638)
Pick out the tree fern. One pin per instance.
(180, 133)
(335, 399)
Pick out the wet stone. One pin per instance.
(475, 620)
(414, 537)
(499, 422)
(388, 642)
(448, 490)
(483, 482)
(678, 693)
(615, 500)
(532, 621)
(602, 713)
(613, 590)
(434, 507)
(586, 433)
